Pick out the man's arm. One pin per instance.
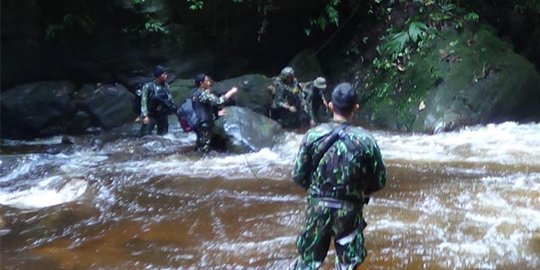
(209, 98)
(144, 100)
(301, 172)
(376, 171)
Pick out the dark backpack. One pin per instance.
(188, 116)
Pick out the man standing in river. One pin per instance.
(156, 104)
(339, 166)
(207, 110)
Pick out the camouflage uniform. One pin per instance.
(350, 170)
(288, 94)
(206, 107)
(156, 102)
(313, 100)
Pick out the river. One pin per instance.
(468, 199)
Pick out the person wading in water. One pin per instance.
(339, 166)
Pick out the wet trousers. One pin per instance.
(204, 135)
(324, 223)
(160, 121)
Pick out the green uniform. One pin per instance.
(314, 101)
(208, 104)
(349, 171)
(288, 94)
(157, 104)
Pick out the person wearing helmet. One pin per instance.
(287, 102)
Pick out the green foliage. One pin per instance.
(330, 16)
(472, 17)
(155, 26)
(72, 22)
(195, 4)
(397, 43)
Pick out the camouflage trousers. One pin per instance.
(324, 222)
(204, 135)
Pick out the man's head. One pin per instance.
(320, 83)
(287, 74)
(344, 99)
(203, 81)
(159, 73)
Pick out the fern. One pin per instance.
(417, 31)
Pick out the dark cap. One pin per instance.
(344, 96)
(199, 79)
(158, 70)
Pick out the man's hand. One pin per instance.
(231, 92)
(292, 109)
(222, 112)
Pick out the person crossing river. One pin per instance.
(339, 166)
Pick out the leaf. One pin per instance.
(417, 31)
(333, 15)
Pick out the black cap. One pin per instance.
(344, 96)
(158, 70)
(199, 79)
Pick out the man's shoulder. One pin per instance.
(315, 133)
(360, 135)
(150, 83)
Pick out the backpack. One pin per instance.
(329, 185)
(187, 115)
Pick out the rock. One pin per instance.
(110, 105)
(465, 78)
(37, 109)
(244, 131)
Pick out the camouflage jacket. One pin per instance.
(312, 95)
(152, 88)
(209, 103)
(287, 94)
(351, 169)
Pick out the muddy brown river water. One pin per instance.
(469, 199)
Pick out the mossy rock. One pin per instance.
(463, 78)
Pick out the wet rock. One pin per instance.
(109, 105)
(244, 130)
(37, 109)
(465, 78)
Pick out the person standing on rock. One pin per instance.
(156, 104)
(339, 166)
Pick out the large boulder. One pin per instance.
(306, 65)
(109, 105)
(464, 78)
(253, 91)
(37, 109)
(243, 130)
